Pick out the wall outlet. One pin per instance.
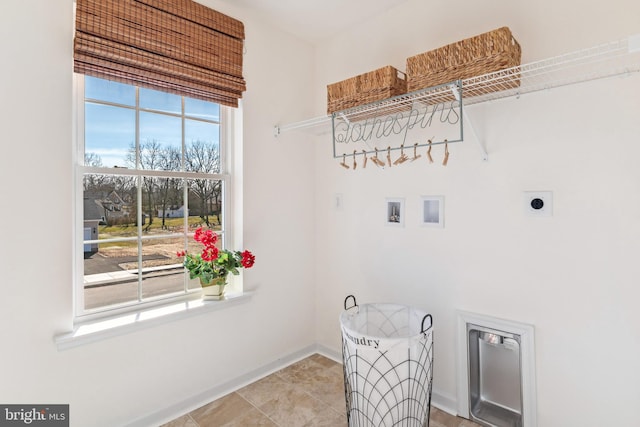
(337, 201)
(538, 203)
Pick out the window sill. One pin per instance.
(98, 330)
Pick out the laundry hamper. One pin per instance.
(387, 352)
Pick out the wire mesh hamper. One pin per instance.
(387, 352)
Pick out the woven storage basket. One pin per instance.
(475, 56)
(373, 86)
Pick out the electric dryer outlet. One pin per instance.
(538, 203)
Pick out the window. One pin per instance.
(151, 168)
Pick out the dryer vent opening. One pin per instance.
(496, 371)
(495, 386)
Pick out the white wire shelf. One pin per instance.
(602, 61)
(607, 60)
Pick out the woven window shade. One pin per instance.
(176, 46)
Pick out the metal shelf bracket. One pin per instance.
(480, 143)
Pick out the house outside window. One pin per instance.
(151, 168)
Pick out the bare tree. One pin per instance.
(149, 158)
(94, 182)
(93, 160)
(169, 188)
(205, 158)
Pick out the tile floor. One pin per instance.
(307, 393)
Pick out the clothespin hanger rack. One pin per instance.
(396, 123)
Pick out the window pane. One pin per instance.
(160, 141)
(110, 274)
(202, 157)
(110, 269)
(162, 270)
(109, 135)
(170, 204)
(106, 90)
(203, 132)
(202, 109)
(160, 101)
(149, 201)
(110, 203)
(205, 203)
(163, 205)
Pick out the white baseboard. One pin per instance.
(440, 400)
(189, 404)
(444, 402)
(335, 355)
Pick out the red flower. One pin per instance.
(207, 237)
(210, 253)
(248, 259)
(214, 262)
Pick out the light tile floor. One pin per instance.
(308, 393)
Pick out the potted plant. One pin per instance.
(213, 265)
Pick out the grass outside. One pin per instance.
(157, 252)
(171, 225)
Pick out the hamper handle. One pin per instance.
(430, 322)
(355, 304)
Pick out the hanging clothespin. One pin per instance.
(376, 160)
(429, 152)
(364, 164)
(344, 163)
(415, 152)
(446, 153)
(355, 165)
(389, 155)
(403, 157)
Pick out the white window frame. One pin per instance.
(230, 173)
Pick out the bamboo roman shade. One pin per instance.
(176, 46)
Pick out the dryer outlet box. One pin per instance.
(538, 203)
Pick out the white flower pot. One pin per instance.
(214, 291)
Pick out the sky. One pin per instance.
(110, 130)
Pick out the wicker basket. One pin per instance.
(475, 56)
(373, 86)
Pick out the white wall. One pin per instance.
(573, 276)
(124, 378)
